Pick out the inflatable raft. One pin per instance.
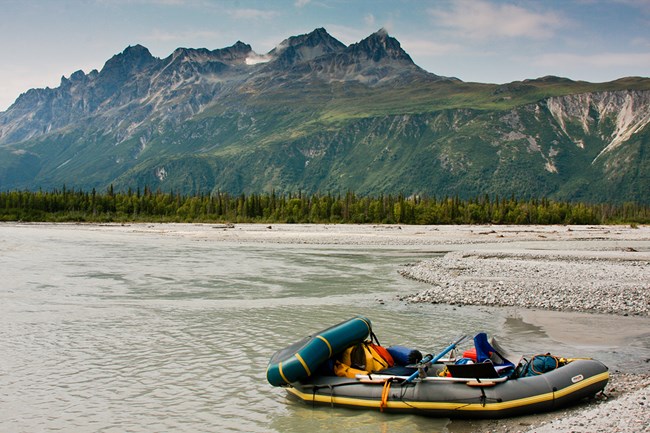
(462, 391)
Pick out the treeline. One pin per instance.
(148, 206)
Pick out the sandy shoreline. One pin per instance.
(615, 239)
(547, 271)
(606, 239)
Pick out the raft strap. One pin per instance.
(384, 395)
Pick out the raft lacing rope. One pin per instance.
(384, 396)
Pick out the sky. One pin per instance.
(487, 41)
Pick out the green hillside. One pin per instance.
(401, 141)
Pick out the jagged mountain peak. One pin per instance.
(240, 47)
(77, 77)
(380, 45)
(188, 53)
(304, 48)
(375, 60)
(134, 59)
(133, 53)
(317, 37)
(238, 52)
(382, 32)
(136, 50)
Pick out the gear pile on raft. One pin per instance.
(345, 366)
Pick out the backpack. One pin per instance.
(362, 358)
(539, 364)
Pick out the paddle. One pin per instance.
(432, 359)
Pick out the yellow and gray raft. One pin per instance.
(473, 395)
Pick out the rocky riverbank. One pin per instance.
(628, 412)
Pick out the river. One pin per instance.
(111, 331)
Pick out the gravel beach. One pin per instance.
(580, 281)
(543, 271)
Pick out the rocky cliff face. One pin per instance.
(602, 121)
(627, 112)
(316, 115)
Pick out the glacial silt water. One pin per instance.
(110, 331)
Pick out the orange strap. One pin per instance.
(384, 396)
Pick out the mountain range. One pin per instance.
(314, 115)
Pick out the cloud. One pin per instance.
(425, 48)
(158, 35)
(301, 3)
(164, 3)
(601, 60)
(643, 5)
(369, 20)
(640, 42)
(254, 59)
(481, 19)
(252, 14)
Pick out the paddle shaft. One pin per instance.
(432, 359)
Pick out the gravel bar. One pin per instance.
(550, 281)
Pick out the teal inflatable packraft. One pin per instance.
(299, 360)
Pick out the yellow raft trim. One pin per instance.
(304, 364)
(282, 373)
(426, 405)
(329, 346)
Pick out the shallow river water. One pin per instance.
(112, 331)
